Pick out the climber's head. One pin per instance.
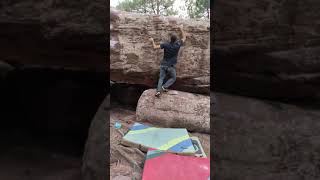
(173, 37)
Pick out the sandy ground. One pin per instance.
(127, 163)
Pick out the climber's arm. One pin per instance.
(154, 45)
(183, 39)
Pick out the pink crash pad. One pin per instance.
(162, 165)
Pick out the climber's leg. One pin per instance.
(161, 78)
(172, 72)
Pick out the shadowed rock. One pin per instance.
(95, 159)
(255, 139)
(59, 34)
(267, 49)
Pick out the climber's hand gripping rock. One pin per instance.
(155, 46)
(183, 39)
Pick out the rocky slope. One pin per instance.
(267, 49)
(134, 61)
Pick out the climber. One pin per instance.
(167, 65)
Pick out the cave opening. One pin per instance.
(45, 116)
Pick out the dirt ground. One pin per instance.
(127, 163)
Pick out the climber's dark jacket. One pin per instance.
(171, 51)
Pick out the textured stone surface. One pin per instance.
(267, 48)
(264, 140)
(95, 158)
(68, 34)
(175, 109)
(134, 61)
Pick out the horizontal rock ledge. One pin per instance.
(175, 109)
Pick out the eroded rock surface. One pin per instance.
(267, 48)
(255, 139)
(134, 61)
(175, 109)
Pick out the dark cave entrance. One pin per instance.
(45, 116)
(126, 95)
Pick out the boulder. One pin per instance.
(95, 158)
(134, 61)
(175, 109)
(265, 140)
(267, 49)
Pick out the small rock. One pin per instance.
(121, 178)
(173, 92)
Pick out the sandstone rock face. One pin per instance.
(95, 158)
(264, 140)
(267, 48)
(175, 109)
(68, 34)
(134, 61)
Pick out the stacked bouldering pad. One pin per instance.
(175, 140)
(197, 145)
(165, 148)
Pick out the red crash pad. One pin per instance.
(162, 165)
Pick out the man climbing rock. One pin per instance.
(167, 66)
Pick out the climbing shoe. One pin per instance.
(164, 89)
(157, 94)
